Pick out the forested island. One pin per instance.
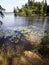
(32, 8)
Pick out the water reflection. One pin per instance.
(20, 21)
(47, 26)
(19, 31)
(10, 21)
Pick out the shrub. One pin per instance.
(44, 46)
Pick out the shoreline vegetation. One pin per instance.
(32, 9)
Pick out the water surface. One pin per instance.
(12, 22)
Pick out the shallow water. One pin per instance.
(22, 31)
(29, 25)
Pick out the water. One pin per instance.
(23, 24)
(21, 29)
(11, 21)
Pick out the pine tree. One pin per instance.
(33, 2)
(45, 7)
(45, 1)
(28, 2)
(1, 11)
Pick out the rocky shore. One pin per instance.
(18, 46)
(20, 38)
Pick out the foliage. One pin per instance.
(15, 12)
(26, 6)
(1, 11)
(33, 8)
(44, 46)
(47, 10)
(38, 5)
(30, 3)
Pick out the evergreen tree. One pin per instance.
(45, 7)
(1, 11)
(30, 2)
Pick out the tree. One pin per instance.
(1, 11)
(38, 6)
(44, 48)
(45, 8)
(30, 2)
(47, 12)
(15, 11)
(26, 6)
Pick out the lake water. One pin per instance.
(10, 21)
(22, 31)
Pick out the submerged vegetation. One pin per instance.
(33, 9)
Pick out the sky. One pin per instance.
(10, 4)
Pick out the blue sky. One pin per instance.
(10, 4)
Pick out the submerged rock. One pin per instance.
(20, 38)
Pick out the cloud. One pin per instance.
(9, 4)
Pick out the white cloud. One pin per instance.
(9, 4)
